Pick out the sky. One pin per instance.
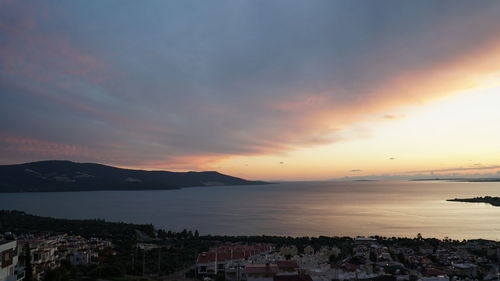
(264, 89)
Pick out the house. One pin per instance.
(210, 263)
(261, 272)
(79, 258)
(364, 240)
(465, 270)
(8, 261)
(309, 250)
(287, 266)
(288, 251)
(478, 244)
(43, 255)
(228, 257)
(426, 250)
(295, 277)
(235, 271)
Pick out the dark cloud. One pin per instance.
(187, 82)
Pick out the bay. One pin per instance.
(334, 208)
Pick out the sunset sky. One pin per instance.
(269, 89)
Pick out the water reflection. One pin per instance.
(389, 208)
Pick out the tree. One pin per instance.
(334, 258)
(28, 275)
(373, 257)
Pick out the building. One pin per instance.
(364, 240)
(261, 272)
(229, 258)
(287, 266)
(465, 270)
(295, 277)
(8, 262)
(79, 258)
(47, 252)
(289, 251)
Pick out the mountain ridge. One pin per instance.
(64, 175)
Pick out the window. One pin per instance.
(7, 257)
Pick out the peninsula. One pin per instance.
(495, 201)
(59, 175)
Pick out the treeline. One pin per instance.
(343, 243)
(278, 241)
(20, 222)
(315, 242)
(185, 234)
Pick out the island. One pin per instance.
(495, 201)
(62, 175)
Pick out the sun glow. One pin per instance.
(458, 134)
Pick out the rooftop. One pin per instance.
(261, 268)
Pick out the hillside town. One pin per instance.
(33, 256)
(34, 248)
(365, 259)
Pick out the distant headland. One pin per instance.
(495, 201)
(60, 175)
(460, 179)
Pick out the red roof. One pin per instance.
(212, 257)
(261, 268)
(433, 272)
(232, 252)
(349, 266)
(287, 264)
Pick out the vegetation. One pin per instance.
(57, 175)
(20, 222)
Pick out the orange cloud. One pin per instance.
(319, 115)
(182, 163)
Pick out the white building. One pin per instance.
(79, 258)
(8, 261)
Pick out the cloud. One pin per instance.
(393, 117)
(190, 83)
(30, 147)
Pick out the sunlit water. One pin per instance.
(389, 208)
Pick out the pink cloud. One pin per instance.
(44, 57)
(42, 148)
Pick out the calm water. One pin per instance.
(389, 208)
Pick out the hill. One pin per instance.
(59, 175)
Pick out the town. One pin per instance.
(362, 258)
(37, 256)
(141, 253)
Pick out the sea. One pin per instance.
(330, 208)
